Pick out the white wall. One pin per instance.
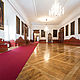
(11, 9)
(72, 17)
(1, 34)
(42, 27)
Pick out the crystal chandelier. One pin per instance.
(56, 10)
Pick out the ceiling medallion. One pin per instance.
(43, 19)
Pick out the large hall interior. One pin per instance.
(39, 39)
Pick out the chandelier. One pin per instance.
(56, 10)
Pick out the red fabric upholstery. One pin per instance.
(20, 41)
(72, 41)
(3, 46)
(42, 41)
(12, 43)
(55, 41)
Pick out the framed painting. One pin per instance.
(78, 25)
(22, 28)
(26, 30)
(1, 15)
(54, 33)
(73, 28)
(17, 25)
(67, 30)
(42, 33)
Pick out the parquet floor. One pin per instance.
(52, 62)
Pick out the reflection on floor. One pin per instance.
(52, 62)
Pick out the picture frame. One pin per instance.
(54, 33)
(1, 15)
(42, 33)
(17, 25)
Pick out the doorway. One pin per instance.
(61, 35)
(36, 35)
(49, 37)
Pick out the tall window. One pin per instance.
(54, 33)
(73, 28)
(79, 25)
(67, 30)
(17, 25)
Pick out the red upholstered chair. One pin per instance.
(20, 41)
(72, 41)
(12, 43)
(3, 46)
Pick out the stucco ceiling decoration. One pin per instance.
(43, 19)
(35, 9)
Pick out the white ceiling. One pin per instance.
(39, 8)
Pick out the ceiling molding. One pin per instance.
(34, 4)
(39, 8)
(42, 24)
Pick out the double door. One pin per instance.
(61, 35)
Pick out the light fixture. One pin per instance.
(56, 9)
(43, 19)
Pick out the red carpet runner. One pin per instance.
(12, 62)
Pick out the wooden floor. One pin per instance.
(52, 62)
